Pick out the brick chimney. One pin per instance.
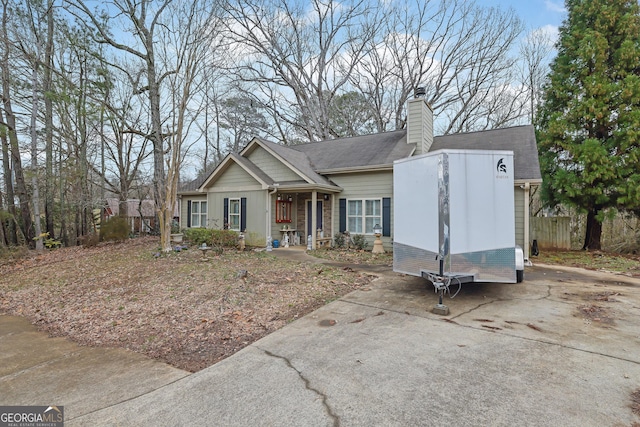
(419, 122)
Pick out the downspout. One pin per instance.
(333, 217)
(180, 211)
(314, 219)
(268, 223)
(527, 188)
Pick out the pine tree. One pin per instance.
(589, 127)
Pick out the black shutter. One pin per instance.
(386, 216)
(343, 215)
(225, 215)
(188, 213)
(243, 213)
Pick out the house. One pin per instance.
(141, 213)
(314, 190)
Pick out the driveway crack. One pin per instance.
(473, 309)
(307, 385)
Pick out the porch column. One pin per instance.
(267, 224)
(314, 219)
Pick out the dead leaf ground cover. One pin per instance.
(352, 256)
(627, 264)
(177, 308)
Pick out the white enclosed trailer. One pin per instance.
(454, 217)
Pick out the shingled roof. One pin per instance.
(315, 159)
(519, 139)
(380, 149)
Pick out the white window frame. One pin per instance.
(233, 214)
(201, 216)
(363, 215)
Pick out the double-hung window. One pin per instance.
(198, 213)
(363, 215)
(234, 214)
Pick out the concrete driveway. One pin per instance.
(561, 348)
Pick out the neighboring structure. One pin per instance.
(321, 188)
(141, 213)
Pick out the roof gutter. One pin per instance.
(371, 168)
(306, 187)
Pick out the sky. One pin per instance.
(534, 13)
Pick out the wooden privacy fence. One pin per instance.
(551, 232)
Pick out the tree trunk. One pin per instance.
(3, 240)
(11, 236)
(16, 161)
(64, 230)
(594, 232)
(34, 157)
(82, 131)
(48, 124)
(159, 178)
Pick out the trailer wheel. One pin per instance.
(519, 276)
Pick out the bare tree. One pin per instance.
(124, 149)
(241, 121)
(535, 56)
(302, 51)
(11, 224)
(457, 50)
(47, 87)
(169, 40)
(7, 64)
(78, 73)
(194, 31)
(35, 55)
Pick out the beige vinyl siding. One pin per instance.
(234, 177)
(365, 185)
(256, 210)
(519, 211)
(272, 166)
(419, 125)
(184, 208)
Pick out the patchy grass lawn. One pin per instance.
(625, 264)
(178, 308)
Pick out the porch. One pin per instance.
(303, 218)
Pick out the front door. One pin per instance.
(310, 229)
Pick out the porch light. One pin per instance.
(377, 244)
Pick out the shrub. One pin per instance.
(224, 238)
(359, 241)
(338, 240)
(198, 236)
(116, 229)
(218, 238)
(90, 240)
(50, 243)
